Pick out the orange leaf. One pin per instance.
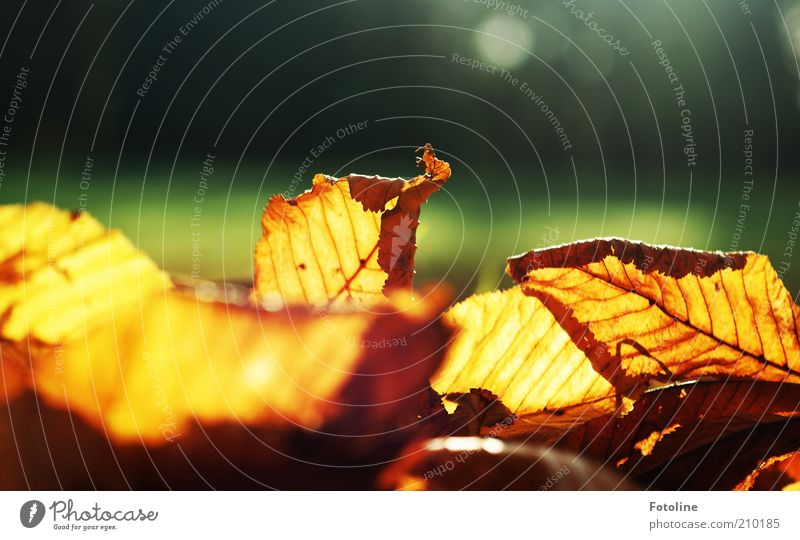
(725, 463)
(669, 422)
(513, 346)
(323, 247)
(473, 463)
(669, 313)
(95, 330)
(59, 270)
(776, 472)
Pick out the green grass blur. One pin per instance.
(466, 231)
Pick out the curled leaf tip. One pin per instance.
(349, 240)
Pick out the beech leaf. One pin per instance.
(346, 241)
(670, 313)
(141, 360)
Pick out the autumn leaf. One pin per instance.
(12, 381)
(667, 367)
(146, 362)
(667, 423)
(573, 353)
(59, 269)
(346, 241)
(571, 350)
(667, 313)
(212, 362)
(728, 461)
(47, 447)
(511, 345)
(777, 472)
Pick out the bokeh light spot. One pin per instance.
(503, 40)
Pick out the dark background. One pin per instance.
(259, 84)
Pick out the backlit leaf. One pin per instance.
(667, 423)
(142, 361)
(473, 463)
(513, 346)
(670, 313)
(347, 240)
(59, 270)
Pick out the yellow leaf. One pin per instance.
(345, 241)
(670, 313)
(173, 359)
(95, 328)
(60, 271)
(513, 346)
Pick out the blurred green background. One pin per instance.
(259, 85)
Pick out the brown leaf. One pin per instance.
(323, 248)
(668, 313)
(725, 463)
(777, 472)
(511, 345)
(667, 423)
(12, 380)
(44, 448)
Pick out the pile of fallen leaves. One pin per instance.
(610, 364)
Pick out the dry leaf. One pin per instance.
(174, 359)
(59, 269)
(513, 346)
(778, 472)
(101, 354)
(145, 362)
(347, 240)
(44, 447)
(669, 422)
(593, 325)
(668, 313)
